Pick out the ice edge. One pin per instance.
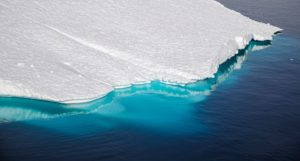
(239, 43)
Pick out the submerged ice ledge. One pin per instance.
(78, 51)
(19, 109)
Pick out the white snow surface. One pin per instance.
(72, 51)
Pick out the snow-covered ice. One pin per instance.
(80, 50)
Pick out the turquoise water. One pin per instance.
(239, 114)
(156, 104)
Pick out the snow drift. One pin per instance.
(80, 50)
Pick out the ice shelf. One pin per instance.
(72, 51)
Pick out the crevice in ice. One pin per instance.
(145, 64)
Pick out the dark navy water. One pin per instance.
(250, 111)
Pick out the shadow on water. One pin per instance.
(156, 104)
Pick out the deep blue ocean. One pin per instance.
(250, 111)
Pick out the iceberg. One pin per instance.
(76, 51)
(112, 105)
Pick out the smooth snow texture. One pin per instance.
(80, 50)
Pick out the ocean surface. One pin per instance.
(250, 111)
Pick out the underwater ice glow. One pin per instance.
(155, 104)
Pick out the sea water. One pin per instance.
(249, 111)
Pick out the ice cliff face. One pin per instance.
(79, 50)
